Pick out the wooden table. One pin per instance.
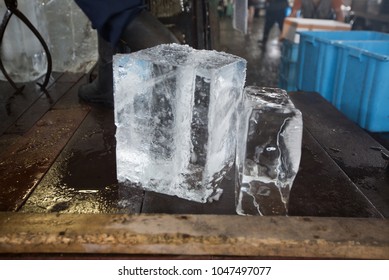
(57, 161)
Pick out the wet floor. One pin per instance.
(262, 66)
(65, 152)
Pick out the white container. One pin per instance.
(293, 25)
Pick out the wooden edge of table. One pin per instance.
(218, 235)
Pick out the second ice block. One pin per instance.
(176, 118)
(268, 151)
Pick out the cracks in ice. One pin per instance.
(281, 174)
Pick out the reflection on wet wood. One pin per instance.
(353, 150)
(24, 162)
(83, 177)
(27, 160)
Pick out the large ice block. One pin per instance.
(176, 116)
(268, 151)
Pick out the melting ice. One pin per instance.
(268, 151)
(176, 116)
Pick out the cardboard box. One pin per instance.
(293, 25)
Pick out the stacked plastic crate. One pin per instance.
(348, 69)
(288, 65)
(290, 46)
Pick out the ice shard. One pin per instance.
(268, 151)
(176, 116)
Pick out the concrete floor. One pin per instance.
(262, 65)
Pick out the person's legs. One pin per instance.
(250, 18)
(280, 19)
(101, 89)
(269, 22)
(144, 31)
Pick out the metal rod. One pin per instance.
(7, 16)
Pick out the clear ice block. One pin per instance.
(268, 151)
(240, 16)
(73, 41)
(21, 52)
(176, 116)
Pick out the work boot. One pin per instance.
(146, 31)
(101, 89)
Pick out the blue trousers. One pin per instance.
(272, 17)
(110, 17)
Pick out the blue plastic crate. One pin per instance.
(289, 51)
(287, 75)
(285, 84)
(288, 65)
(361, 88)
(318, 55)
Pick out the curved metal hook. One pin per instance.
(25, 20)
(11, 4)
(13, 10)
(7, 16)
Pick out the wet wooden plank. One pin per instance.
(7, 140)
(354, 150)
(18, 112)
(321, 188)
(382, 138)
(45, 101)
(25, 161)
(83, 177)
(14, 104)
(217, 235)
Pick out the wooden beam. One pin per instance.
(274, 237)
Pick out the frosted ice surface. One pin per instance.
(176, 116)
(73, 41)
(268, 151)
